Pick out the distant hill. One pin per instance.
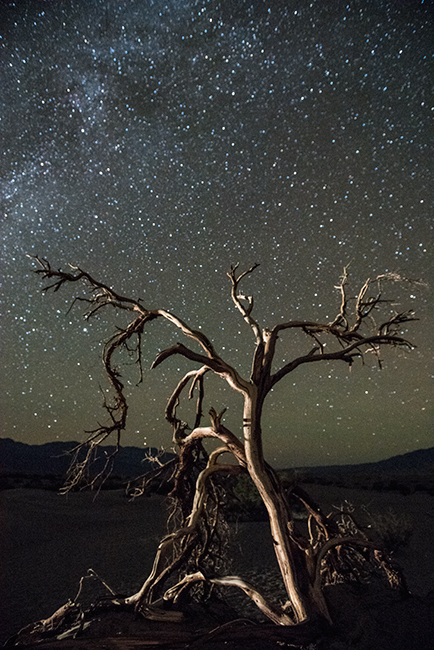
(420, 460)
(53, 459)
(406, 473)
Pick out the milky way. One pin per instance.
(156, 143)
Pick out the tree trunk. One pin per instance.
(274, 502)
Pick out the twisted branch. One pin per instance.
(276, 615)
(238, 298)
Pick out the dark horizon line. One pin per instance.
(75, 443)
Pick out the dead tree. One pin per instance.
(359, 327)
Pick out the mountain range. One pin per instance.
(420, 460)
(52, 459)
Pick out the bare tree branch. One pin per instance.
(188, 532)
(238, 298)
(196, 378)
(341, 318)
(275, 614)
(347, 354)
(181, 349)
(217, 430)
(103, 294)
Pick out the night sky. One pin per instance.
(155, 143)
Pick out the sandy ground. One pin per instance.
(47, 542)
(417, 558)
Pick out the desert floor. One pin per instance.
(49, 541)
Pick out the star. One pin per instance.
(155, 145)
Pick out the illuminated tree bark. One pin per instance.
(301, 560)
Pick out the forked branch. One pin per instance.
(276, 615)
(187, 533)
(238, 299)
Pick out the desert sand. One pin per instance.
(49, 541)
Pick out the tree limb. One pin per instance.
(216, 364)
(188, 532)
(346, 354)
(238, 298)
(218, 430)
(277, 615)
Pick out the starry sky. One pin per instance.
(155, 143)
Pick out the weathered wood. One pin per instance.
(161, 640)
(348, 336)
(236, 632)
